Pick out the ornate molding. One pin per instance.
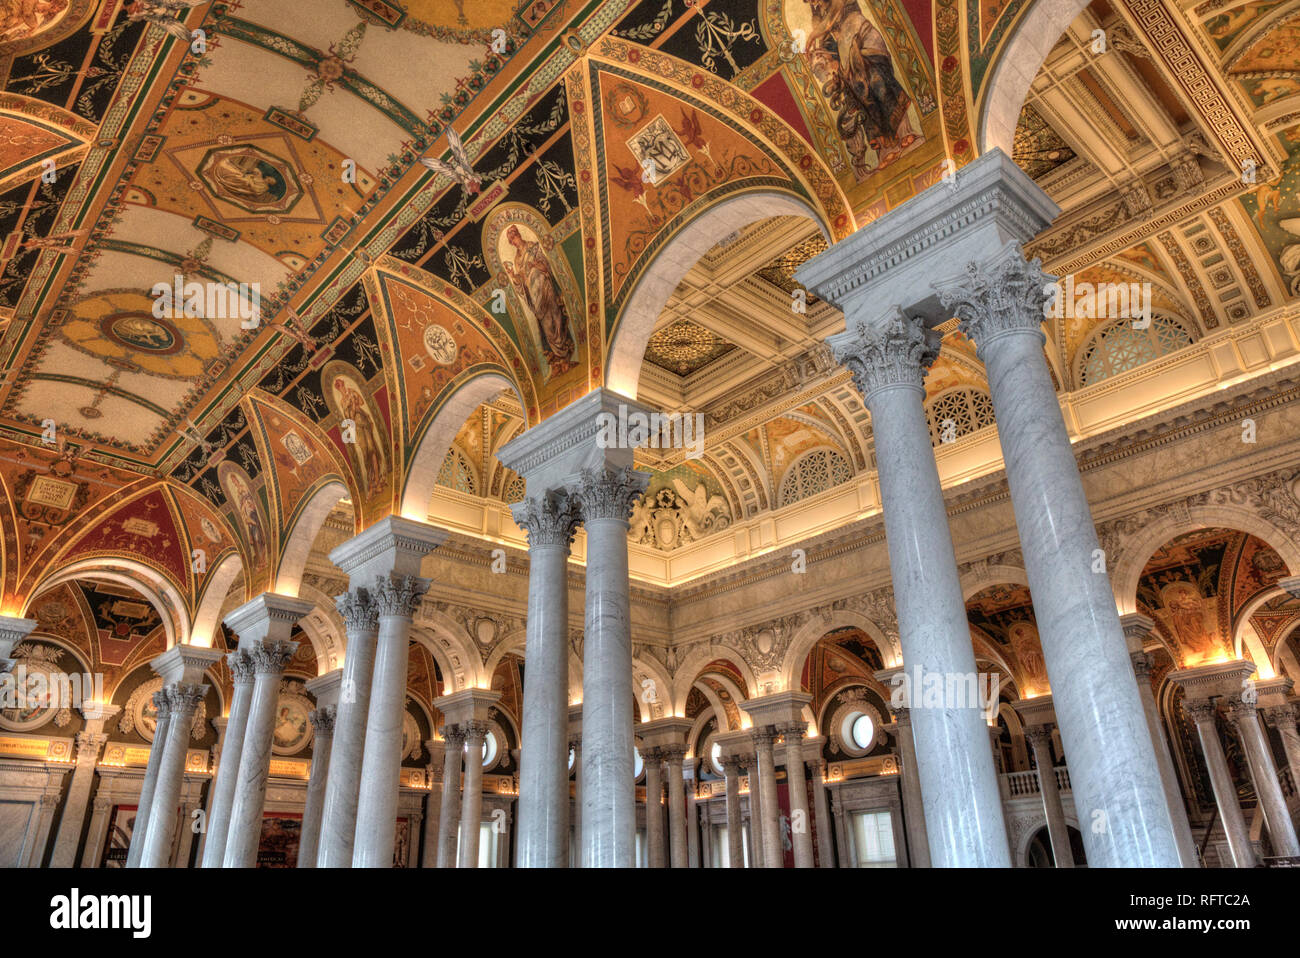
(398, 595)
(899, 353)
(359, 611)
(271, 657)
(610, 493)
(549, 520)
(1004, 294)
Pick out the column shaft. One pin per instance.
(1225, 792)
(608, 802)
(1103, 729)
(144, 808)
(543, 840)
(223, 786)
(735, 837)
(343, 786)
(89, 743)
(449, 816)
(654, 815)
(182, 700)
(322, 721)
(1040, 737)
(800, 820)
(677, 843)
(396, 598)
(1263, 771)
(269, 660)
(913, 805)
(471, 811)
(773, 853)
(1187, 853)
(825, 847)
(963, 807)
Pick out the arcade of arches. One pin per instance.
(331, 536)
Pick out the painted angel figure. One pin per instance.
(164, 13)
(459, 169)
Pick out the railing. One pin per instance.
(1021, 784)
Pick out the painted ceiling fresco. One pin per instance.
(351, 291)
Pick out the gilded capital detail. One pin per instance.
(550, 519)
(896, 354)
(1005, 294)
(610, 493)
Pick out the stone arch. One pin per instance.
(156, 588)
(1027, 836)
(813, 631)
(430, 640)
(1021, 57)
(627, 346)
(212, 599)
(461, 665)
(1243, 639)
(431, 447)
(692, 667)
(307, 523)
(976, 579)
(1142, 544)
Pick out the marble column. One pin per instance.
(1263, 772)
(543, 836)
(343, 786)
(797, 785)
(575, 743)
(825, 847)
(735, 836)
(692, 824)
(144, 807)
(1136, 628)
(322, 723)
(673, 756)
(1202, 712)
(90, 743)
(471, 809)
(222, 799)
(1113, 770)
(449, 817)
(269, 659)
(654, 814)
(773, 852)
(608, 803)
(756, 843)
(963, 808)
(182, 701)
(1283, 719)
(913, 807)
(433, 803)
(397, 597)
(1040, 738)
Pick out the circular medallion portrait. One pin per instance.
(142, 332)
(292, 725)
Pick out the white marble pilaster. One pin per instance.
(222, 800)
(1113, 770)
(543, 837)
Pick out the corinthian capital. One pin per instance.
(241, 667)
(184, 699)
(549, 520)
(271, 657)
(399, 594)
(896, 354)
(610, 493)
(1004, 294)
(360, 614)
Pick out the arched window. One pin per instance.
(958, 412)
(1118, 347)
(515, 490)
(456, 473)
(814, 472)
